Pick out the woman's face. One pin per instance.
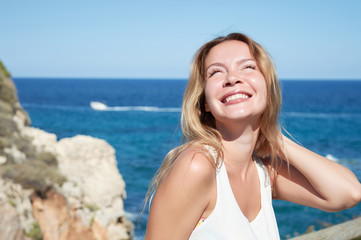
(235, 87)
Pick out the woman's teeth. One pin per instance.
(236, 96)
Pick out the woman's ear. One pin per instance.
(206, 106)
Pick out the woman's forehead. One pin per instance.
(228, 51)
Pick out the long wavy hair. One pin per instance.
(198, 125)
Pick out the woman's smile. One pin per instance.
(235, 97)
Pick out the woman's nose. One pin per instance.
(231, 79)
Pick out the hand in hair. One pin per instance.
(316, 181)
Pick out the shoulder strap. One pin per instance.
(214, 154)
(262, 172)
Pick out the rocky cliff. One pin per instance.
(49, 189)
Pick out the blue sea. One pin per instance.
(140, 119)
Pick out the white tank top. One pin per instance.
(227, 222)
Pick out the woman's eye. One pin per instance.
(250, 66)
(214, 71)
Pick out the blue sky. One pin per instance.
(157, 39)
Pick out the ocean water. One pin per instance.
(140, 119)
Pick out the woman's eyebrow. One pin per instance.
(246, 60)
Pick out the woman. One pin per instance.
(220, 183)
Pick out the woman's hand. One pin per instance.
(315, 181)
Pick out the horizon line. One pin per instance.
(171, 78)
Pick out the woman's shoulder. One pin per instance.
(195, 164)
(186, 190)
(197, 160)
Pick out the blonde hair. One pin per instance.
(198, 125)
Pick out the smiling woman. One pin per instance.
(219, 185)
(235, 87)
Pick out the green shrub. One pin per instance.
(8, 92)
(4, 70)
(24, 144)
(7, 125)
(91, 207)
(12, 202)
(48, 158)
(92, 221)
(33, 175)
(4, 142)
(6, 108)
(35, 232)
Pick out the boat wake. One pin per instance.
(99, 106)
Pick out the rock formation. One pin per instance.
(56, 190)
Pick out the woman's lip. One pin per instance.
(232, 93)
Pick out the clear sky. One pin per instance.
(308, 39)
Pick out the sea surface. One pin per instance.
(140, 119)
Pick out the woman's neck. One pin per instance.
(238, 143)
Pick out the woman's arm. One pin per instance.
(181, 198)
(315, 181)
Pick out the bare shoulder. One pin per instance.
(195, 164)
(183, 195)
